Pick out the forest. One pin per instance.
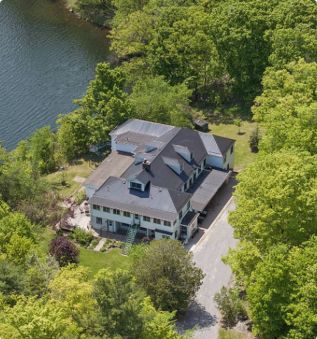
(177, 60)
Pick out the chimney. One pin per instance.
(146, 165)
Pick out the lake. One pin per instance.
(47, 57)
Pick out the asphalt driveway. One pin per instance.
(208, 251)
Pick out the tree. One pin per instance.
(230, 306)
(269, 293)
(168, 275)
(35, 318)
(99, 12)
(276, 200)
(41, 151)
(120, 303)
(154, 99)
(105, 104)
(238, 122)
(287, 108)
(64, 251)
(72, 290)
(282, 294)
(254, 140)
(126, 312)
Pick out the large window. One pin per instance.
(145, 218)
(127, 214)
(136, 186)
(99, 221)
(115, 211)
(106, 209)
(167, 223)
(96, 207)
(157, 221)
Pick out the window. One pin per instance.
(145, 218)
(106, 209)
(157, 221)
(115, 211)
(167, 223)
(96, 207)
(231, 150)
(180, 214)
(127, 214)
(185, 188)
(165, 237)
(99, 221)
(205, 163)
(135, 186)
(136, 216)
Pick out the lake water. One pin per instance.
(47, 57)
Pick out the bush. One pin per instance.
(254, 140)
(230, 306)
(64, 251)
(110, 243)
(82, 237)
(80, 197)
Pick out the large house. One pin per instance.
(157, 179)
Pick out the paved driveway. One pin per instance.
(208, 251)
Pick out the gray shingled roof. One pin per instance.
(155, 202)
(161, 174)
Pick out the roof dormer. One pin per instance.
(173, 164)
(184, 152)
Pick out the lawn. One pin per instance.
(97, 260)
(82, 169)
(232, 334)
(88, 258)
(243, 155)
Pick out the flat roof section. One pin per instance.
(114, 165)
(209, 182)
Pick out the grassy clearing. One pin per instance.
(82, 168)
(243, 154)
(232, 334)
(98, 260)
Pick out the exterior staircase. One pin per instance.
(132, 231)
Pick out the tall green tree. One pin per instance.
(105, 104)
(276, 200)
(168, 275)
(287, 108)
(154, 99)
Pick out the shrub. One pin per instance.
(110, 243)
(64, 251)
(254, 140)
(230, 306)
(82, 237)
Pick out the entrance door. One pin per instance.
(110, 226)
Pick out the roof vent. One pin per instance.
(150, 148)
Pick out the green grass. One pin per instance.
(82, 168)
(98, 260)
(232, 334)
(243, 154)
(70, 3)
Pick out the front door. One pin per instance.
(110, 226)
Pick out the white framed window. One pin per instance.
(145, 218)
(127, 214)
(157, 221)
(99, 221)
(115, 211)
(106, 209)
(96, 207)
(167, 223)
